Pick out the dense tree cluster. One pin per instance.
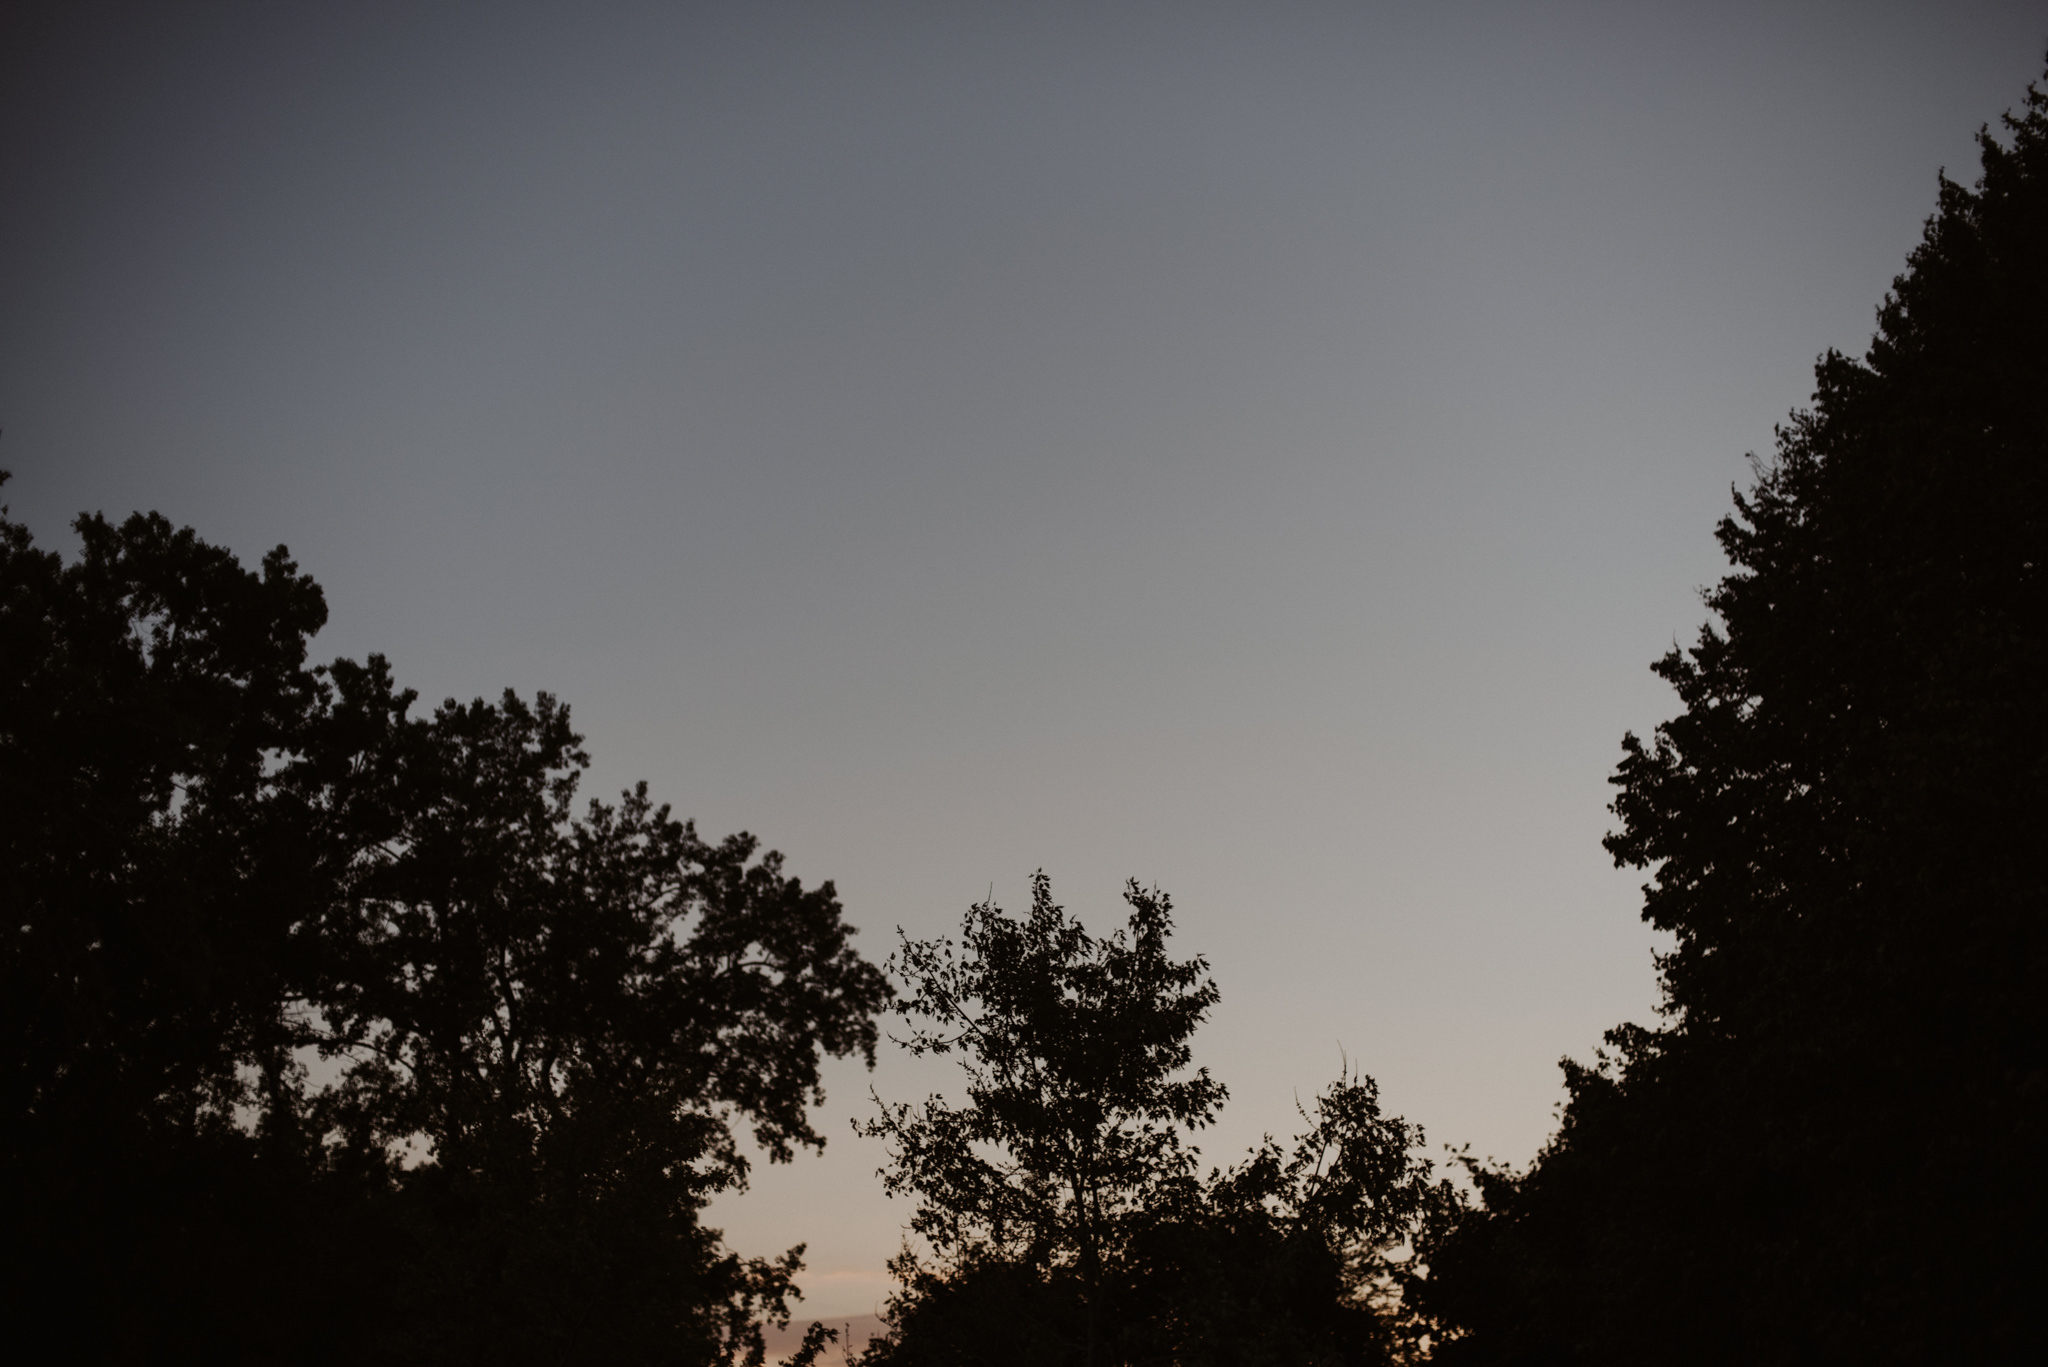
(1828, 1150)
(1064, 1218)
(333, 1032)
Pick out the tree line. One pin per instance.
(339, 1031)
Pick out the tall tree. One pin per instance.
(332, 1031)
(1825, 1151)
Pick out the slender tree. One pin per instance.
(1073, 1048)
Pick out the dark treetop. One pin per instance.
(333, 1032)
(1829, 1149)
(1066, 1219)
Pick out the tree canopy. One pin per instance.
(333, 1030)
(1824, 1152)
(1066, 1219)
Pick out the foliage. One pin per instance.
(1841, 827)
(1070, 1045)
(227, 874)
(1067, 1220)
(153, 893)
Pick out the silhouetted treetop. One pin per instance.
(1067, 1221)
(1841, 830)
(337, 1031)
(1071, 1047)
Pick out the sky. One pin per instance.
(1253, 449)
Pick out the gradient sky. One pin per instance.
(1256, 449)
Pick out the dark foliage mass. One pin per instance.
(1065, 1218)
(335, 1033)
(1829, 1151)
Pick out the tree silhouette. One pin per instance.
(227, 874)
(155, 890)
(1825, 1152)
(1071, 1046)
(1067, 1220)
(561, 1010)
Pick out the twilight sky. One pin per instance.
(1257, 449)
